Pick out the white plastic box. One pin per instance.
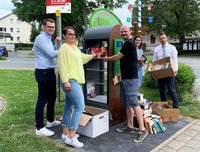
(95, 124)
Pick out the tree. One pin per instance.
(35, 10)
(178, 18)
(34, 32)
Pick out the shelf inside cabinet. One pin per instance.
(97, 70)
(99, 98)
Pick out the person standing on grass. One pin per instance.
(141, 58)
(167, 50)
(45, 64)
(129, 84)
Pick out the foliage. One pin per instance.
(178, 47)
(17, 131)
(2, 58)
(34, 32)
(184, 80)
(78, 18)
(20, 46)
(178, 18)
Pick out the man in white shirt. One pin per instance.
(167, 50)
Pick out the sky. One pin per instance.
(122, 13)
(5, 7)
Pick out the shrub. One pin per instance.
(184, 80)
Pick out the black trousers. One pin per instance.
(46, 80)
(170, 83)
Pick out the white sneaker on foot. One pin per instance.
(53, 124)
(64, 136)
(44, 132)
(73, 142)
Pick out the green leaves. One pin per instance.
(35, 10)
(181, 17)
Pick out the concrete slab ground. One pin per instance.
(114, 141)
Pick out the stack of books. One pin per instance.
(161, 66)
(146, 107)
(154, 124)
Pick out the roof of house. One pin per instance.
(6, 16)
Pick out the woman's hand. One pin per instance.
(67, 86)
(94, 55)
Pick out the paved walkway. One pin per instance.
(113, 141)
(185, 140)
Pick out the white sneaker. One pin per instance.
(73, 142)
(53, 124)
(44, 132)
(64, 136)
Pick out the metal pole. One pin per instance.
(59, 34)
(139, 13)
(4, 29)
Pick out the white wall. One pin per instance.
(21, 29)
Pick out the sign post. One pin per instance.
(58, 7)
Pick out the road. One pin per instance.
(19, 60)
(25, 60)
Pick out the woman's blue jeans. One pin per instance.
(74, 105)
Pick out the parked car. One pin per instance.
(3, 51)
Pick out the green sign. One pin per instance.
(118, 43)
(104, 17)
(128, 19)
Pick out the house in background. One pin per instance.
(13, 30)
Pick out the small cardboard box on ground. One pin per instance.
(161, 73)
(94, 122)
(167, 113)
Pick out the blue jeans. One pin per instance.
(74, 105)
(140, 76)
(170, 82)
(128, 92)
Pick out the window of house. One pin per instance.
(11, 38)
(2, 29)
(18, 30)
(18, 39)
(153, 39)
(11, 29)
(11, 21)
(18, 21)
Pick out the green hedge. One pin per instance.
(184, 80)
(21, 46)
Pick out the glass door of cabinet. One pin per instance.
(96, 77)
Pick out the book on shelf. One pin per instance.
(90, 86)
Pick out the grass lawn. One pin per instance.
(17, 131)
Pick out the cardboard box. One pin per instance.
(167, 113)
(161, 73)
(95, 124)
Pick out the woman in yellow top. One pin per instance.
(70, 66)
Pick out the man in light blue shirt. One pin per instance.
(167, 50)
(45, 64)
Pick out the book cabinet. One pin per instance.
(99, 90)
